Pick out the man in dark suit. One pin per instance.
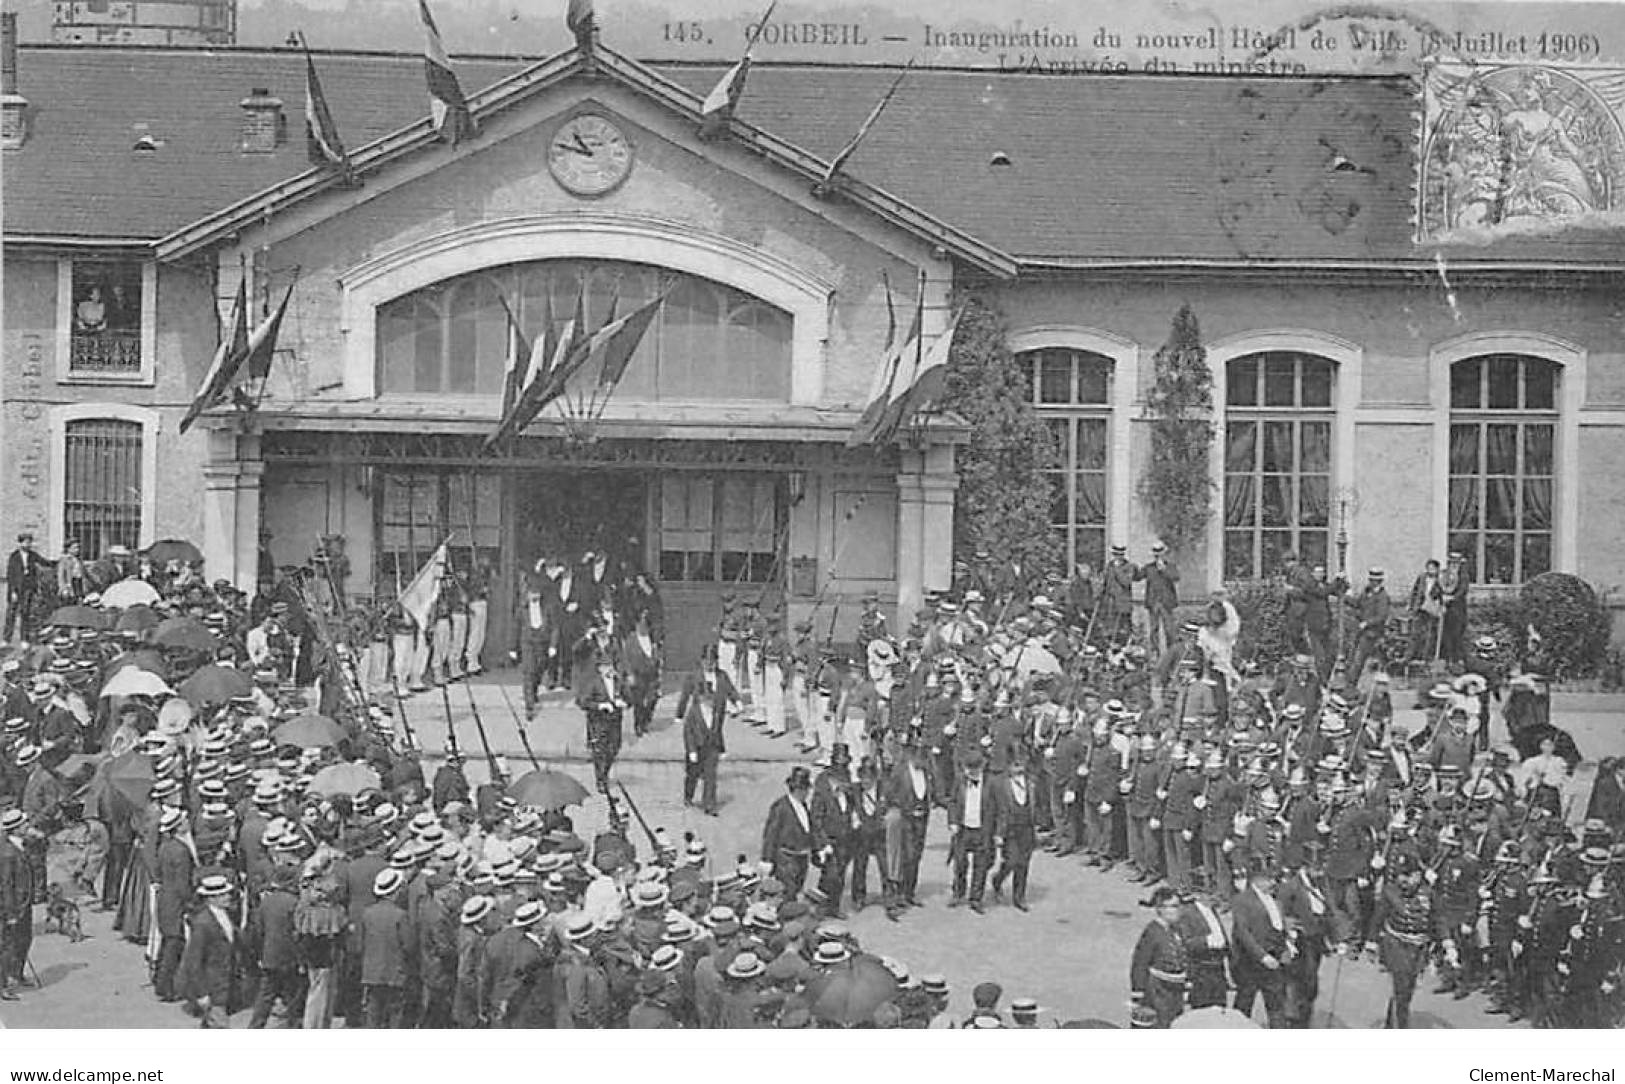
(272, 930)
(787, 837)
(16, 902)
(521, 973)
(640, 662)
(1014, 829)
(835, 830)
(1116, 618)
(1161, 597)
(1310, 928)
(209, 968)
(909, 797)
(21, 567)
(387, 940)
(701, 708)
(1260, 951)
(602, 698)
(176, 866)
(538, 635)
(869, 804)
(972, 817)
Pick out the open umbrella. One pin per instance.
(173, 549)
(138, 618)
(1215, 1017)
(349, 779)
(126, 593)
(850, 993)
(214, 684)
(1030, 659)
(309, 731)
(134, 681)
(130, 776)
(142, 660)
(545, 788)
(77, 617)
(186, 634)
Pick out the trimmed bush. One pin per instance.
(1571, 624)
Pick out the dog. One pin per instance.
(63, 913)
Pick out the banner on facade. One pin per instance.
(1519, 149)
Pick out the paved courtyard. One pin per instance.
(1071, 951)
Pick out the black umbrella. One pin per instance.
(77, 617)
(187, 634)
(174, 549)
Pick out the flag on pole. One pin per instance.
(719, 105)
(419, 597)
(931, 382)
(513, 371)
(618, 340)
(847, 151)
(262, 343)
(322, 143)
(578, 16)
(447, 106)
(228, 359)
(885, 377)
(911, 354)
(553, 360)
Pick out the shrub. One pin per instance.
(1571, 626)
(1174, 485)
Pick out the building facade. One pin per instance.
(1410, 402)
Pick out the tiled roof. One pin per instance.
(1100, 168)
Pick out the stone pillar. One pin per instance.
(911, 541)
(937, 485)
(220, 505)
(251, 473)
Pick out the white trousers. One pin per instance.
(479, 612)
(420, 658)
(772, 700)
(459, 644)
(405, 648)
(440, 661)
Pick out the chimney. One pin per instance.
(13, 106)
(264, 126)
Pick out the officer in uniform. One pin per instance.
(1406, 918)
(1157, 975)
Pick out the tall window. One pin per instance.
(1503, 429)
(727, 529)
(106, 334)
(1277, 461)
(418, 510)
(101, 484)
(709, 341)
(1071, 390)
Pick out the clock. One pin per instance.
(589, 155)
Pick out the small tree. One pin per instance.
(1175, 487)
(1003, 504)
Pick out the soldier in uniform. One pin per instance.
(1157, 975)
(1405, 917)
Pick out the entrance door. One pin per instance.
(567, 513)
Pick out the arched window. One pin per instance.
(1503, 436)
(1279, 419)
(1072, 391)
(710, 341)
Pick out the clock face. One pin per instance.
(589, 155)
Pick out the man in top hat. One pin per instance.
(1161, 597)
(22, 568)
(1371, 607)
(787, 836)
(1117, 597)
(1261, 948)
(909, 797)
(972, 824)
(603, 699)
(1015, 824)
(701, 709)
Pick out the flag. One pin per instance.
(447, 106)
(419, 597)
(847, 151)
(932, 379)
(322, 143)
(881, 387)
(262, 343)
(718, 107)
(513, 376)
(905, 368)
(228, 359)
(553, 361)
(618, 340)
(579, 18)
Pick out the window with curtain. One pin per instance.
(1503, 435)
(721, 528)
(101, 475)
(708, 342)
(1277, 461)
(1071, 390)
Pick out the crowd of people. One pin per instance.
(261, 822)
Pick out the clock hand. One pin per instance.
(580, 143)
(572, 148)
